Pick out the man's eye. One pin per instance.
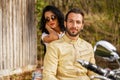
(70, 21)
(79, 22)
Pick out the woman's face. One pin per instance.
(51, 19)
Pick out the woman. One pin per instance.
(52, 27)
(52, 24)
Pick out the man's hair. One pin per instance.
(74, 10)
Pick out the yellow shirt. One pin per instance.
(60, 62)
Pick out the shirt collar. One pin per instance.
(67, 39)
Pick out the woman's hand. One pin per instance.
(53, 35)
(48, 28)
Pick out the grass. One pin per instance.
(23, 76)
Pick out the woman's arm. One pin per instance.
(51, 36)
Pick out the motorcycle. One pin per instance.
(108, 52)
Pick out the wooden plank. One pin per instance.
(19, 20)
(14, 34)
(32, 32)
(29, 31)
(18, 34)
(26, 35)
(11, 35)
(8, 36)
(4, 38)
(0, 35)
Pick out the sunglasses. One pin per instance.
(53, 17)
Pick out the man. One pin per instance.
(60, 62)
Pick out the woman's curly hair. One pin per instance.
(58, 14)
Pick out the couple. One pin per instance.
(65, 47)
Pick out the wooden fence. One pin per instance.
(18, 39)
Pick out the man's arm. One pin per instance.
(50, 64)
(92, 60)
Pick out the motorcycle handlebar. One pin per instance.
(104, 72)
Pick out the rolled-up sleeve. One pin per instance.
(50, 63)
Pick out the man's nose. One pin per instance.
(74, 24)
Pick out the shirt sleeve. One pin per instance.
(92, 60)
(42, 37)
(50, 63)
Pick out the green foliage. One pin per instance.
(40, 4)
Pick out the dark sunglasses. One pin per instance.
(53, 17)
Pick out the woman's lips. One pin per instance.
(52, 24)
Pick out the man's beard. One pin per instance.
(72, 33)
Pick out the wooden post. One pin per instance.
(18, 37)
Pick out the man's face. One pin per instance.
(74, 24)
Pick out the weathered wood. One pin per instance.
(18, 38)
(0, 35)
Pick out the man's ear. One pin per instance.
(65, 23)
